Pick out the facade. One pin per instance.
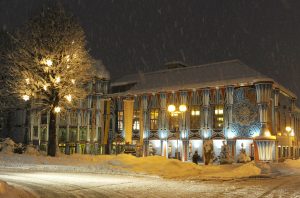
(175, 112)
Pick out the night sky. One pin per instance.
(141, 35)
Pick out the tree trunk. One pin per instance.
(52, 143)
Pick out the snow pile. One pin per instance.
(157, 165)
(8, 191)
(31, 150)
(130, 165)
(7, 146)
(292, 163)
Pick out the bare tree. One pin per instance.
(49, 64)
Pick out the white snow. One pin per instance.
(128, 164)
(8, 191)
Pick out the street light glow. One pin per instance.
(288, 129)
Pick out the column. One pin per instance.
(265, 141)
(79, 114)
(67, 151)
(229, 105)
(145, 125)
(97, 125)
(183, 128)
(263, 95)
(88, 121)
(163, 125)
(205, 109)
(276, 110)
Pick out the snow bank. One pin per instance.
(31, 150)
(128, 164)
(8, 191)
(292, 163)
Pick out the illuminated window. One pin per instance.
(195, 118)
(136, 120)
(154, 119)
(219, 117)
(120, 120)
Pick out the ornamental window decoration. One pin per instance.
(136, 120)
(154, 119)
(120, 120)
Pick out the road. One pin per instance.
(62, 184)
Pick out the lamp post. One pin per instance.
(291, 134)
(26, 138)
(173, 112)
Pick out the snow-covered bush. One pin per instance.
(208, 151)
(225, 157)
(243, 157)
(7, 146)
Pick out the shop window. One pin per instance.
(120, 120)
(44, 118)
(154, 119)
(195, 118)
(83, 133)
(219, 117)
(136, 121)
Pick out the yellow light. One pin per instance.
(182, 108)
(73, 81)
(48, 62)
(216, 111)
(68, 58)
(171, 108)
(27, 81)
(45, 87)
(292, 134)
(267, 134)
(288, 129)
(221, 111)
(25, 97)
(68, 97)
(57, 79)
(57, 109)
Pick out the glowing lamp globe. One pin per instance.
(171, 108)
(288, 129)
(182, 108)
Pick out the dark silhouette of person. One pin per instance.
(196, 157)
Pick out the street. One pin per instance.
(61, 184)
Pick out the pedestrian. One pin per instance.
(196, 157)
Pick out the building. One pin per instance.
(174, 112)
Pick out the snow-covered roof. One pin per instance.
(219, 74)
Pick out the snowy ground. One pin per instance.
(127, 176)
